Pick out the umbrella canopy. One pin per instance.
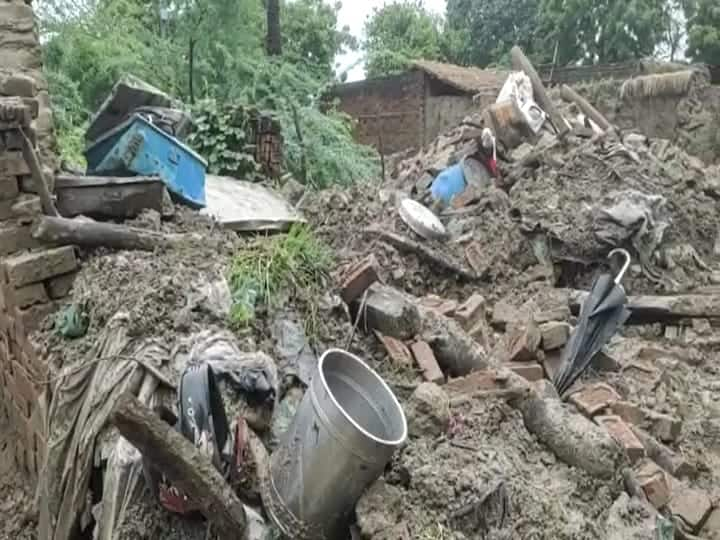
(603, 313)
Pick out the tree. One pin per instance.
(601, 32)
(310, 34)
(399, 33)
(704, 31)
(482, 32)
(274, 35)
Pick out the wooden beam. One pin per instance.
(568, 94)
(89, 233)
(520, 62)
(38, 177)
(184, 466)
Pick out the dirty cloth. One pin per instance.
(448, 184)
(83, 400)
(633, 216)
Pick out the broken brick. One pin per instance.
(524, 343)
(359, 279)
(530, 371)
(623, 435)
(390, 312)
(31, 294)
(40, 265)
(397, 350)
(593, 399)
(629, 412)
(664, 427)
(477, 381)
(557, 314)
(471, 311)
(554, 335)
(692, 506)
(441, 305)
(17, 84)
(654, 482)
(425, 359)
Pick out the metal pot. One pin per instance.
(344, 433)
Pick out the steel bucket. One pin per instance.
(343, 435)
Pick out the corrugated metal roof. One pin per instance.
(467, 79)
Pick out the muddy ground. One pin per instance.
(471, 470)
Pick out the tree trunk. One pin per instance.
(89, 233)
(191, 71)
(274, 36)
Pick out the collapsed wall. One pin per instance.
(682, 107)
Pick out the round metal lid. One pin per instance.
(421, 220)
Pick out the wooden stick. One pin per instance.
(37, 175)
(652, 309)
(520, 62)
(403, 243)
(89, 233)
(184, 466)
(568, 94)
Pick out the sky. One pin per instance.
(353, 14)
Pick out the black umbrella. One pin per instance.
(602, 314)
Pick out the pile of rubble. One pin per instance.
(468, 331)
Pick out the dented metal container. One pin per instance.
(344, 433)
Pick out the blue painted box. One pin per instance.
(138, 147)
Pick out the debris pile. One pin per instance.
(468, 316)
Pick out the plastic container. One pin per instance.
(344, 433)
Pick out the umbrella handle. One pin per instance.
(625, 267)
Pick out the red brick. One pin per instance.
(477, 381)
(554, 335)
(9, 188)
(358, 279)
(531, 371)
(524, 343)
(441, 305)
(31, 294)
(13, 164)
(14, 238)
(397, 350)
(692, 506)
(654, 482)
(624, 436)
(593, 399)
(425, 359)
(472, 311)
(629, 412)
(40, 265)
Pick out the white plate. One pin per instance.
(421, 220)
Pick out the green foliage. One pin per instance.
(224, 137)
(601, 32)
(310, 34)
(273, 268)
(704, 31)
(482, 32)
(69, 115)
(399, 33)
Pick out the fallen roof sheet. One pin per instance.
(246, 206)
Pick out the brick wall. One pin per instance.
(391, 108)
(33, 278)
(21, 71)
